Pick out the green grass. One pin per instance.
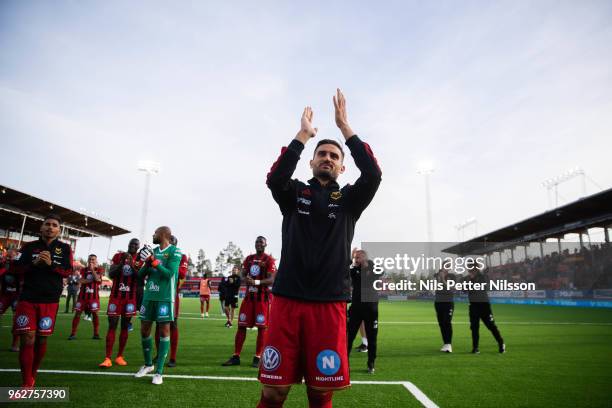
(552, 361)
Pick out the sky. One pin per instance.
(498, 96)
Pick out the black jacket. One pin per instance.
(319, 224)
(44, 283)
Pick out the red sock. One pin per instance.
(75, 324)
(174, 336)
(156, 337)
(110, 341)
(39, 352)
(96, 323)
(268, 403)
(239, 340)
(26, 359)
(318, 399)
(123, 336)
(261, 334)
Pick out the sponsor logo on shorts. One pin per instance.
(45, 323)
(127, 270)
(94, 305)
(130, 307)
(78, 305)
(271, 377)
(242, 317)
(328, 362)
(143, 309)
(270, 358)
(22, 320)
(163, 310)
(112, 307)
(255, 270)
(260, 318)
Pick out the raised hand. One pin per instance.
(307, 131)
(340, 114)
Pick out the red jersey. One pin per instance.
(259, 267)
(125, 277)
(90, 290)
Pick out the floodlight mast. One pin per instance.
(149, 168)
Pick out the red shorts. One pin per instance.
(8, 300)
(253, 313)
(91, 305)
(121, 307)
(306, 340)
(204, 298)
(39, 317)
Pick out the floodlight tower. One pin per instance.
(561, 178)
(425, 168)
(149, 168)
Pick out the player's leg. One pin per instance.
(370, 323)
(273, 397)
(352, 326)
(319, 398)
(245, 319)
(75, 323)
(26, 357)
(261, 316)
(475, 326)
(123, 337)
(164, 346)
(40, 349)
(148, 314)
(110, 341)
(96, 324)
(202, 306)
(174, 338)
(489, 322)
(363, 347)
(207, 305)
(449, 323)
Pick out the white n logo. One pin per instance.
(328, 362)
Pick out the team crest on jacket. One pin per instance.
(335, 195)
(58, 251)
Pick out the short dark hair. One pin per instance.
(261, 237)
(53, 216)
(331, 142)
(94, 255)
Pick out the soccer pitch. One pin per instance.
(557, 357)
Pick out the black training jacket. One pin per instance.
(319, 224)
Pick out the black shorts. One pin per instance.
(231, 301)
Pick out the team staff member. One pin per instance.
(445, 306)
(122, 302)
(89, 297)
(161, 271)
(44, 263)
(258, 271)
(204, 295)
(480, 309)
(232, 288)
(221, 288)
(364, 306)
(73, 289)
(307, 327)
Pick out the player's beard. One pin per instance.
(326, 175)
(156, 240)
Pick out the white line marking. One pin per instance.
(413, 389)
(181, 317)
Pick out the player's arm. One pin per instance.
(64, 266)
(271, 269)
(279, 178)
(172, 266)
(362, 192)
(113, 271)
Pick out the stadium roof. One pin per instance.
(587, 212)
(14, 205)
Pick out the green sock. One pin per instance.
(164, 346)
(147, 345)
